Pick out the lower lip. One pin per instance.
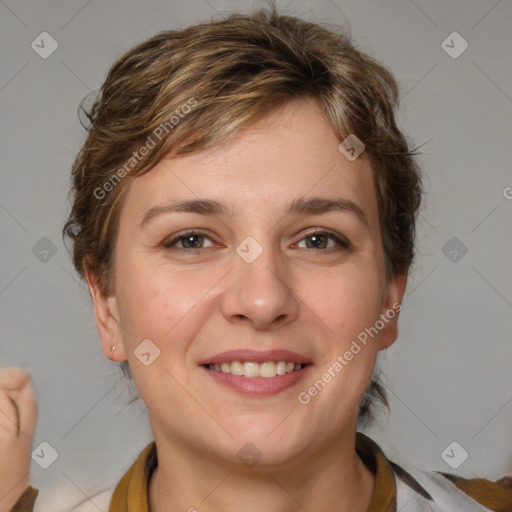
(259, 386)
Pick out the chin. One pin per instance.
(265, 447)
(269, 456)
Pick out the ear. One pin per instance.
(107, 318)
(391, 310)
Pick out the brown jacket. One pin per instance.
(391, 483)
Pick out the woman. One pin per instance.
(244, 213)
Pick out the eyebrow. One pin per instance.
(299, 206)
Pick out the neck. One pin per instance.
(331, 479)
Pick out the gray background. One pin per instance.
(448, 375)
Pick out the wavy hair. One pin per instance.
(232, 72)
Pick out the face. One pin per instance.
(258, 271)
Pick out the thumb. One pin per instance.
(17, 385)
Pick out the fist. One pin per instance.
(18, 418)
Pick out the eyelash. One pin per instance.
(343, 243)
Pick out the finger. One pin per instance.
(13, 378)
(27, 408)
(9, 416)
(21, 406)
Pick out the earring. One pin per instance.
(113, 349)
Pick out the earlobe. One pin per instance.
(107, 318)
(391, 310)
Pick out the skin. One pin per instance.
(18, 418)
(310, 300)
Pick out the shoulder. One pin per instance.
(452, 493)
(496, 496)
(27, 502)
(100, 501)
(137, 477)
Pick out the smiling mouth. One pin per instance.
(251, 369)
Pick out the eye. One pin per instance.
(320, 237)
(189, 240)
(192, 240)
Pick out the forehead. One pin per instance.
(288, 154)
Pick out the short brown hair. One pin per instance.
(231, 73)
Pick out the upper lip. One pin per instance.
(256, 356)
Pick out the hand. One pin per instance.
(18, 418)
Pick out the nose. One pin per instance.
(259, 292)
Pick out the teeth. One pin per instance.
(251, 369)
(268, 369)
(281, 368)
(236, 368)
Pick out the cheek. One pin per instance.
(346, 301)
(153, 299)
(168, 307)
(347, 305)
(161, 306)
